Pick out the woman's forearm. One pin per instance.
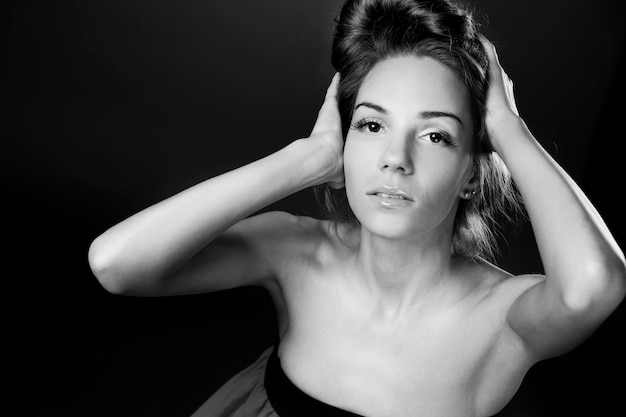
(156, 241)
(579, 254)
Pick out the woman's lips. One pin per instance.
(391, 192)
(391, 197)
(397, 196)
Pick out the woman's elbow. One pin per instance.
(602, 286)
(105, 266)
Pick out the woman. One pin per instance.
(391, 308)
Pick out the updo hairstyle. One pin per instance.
(369, 31)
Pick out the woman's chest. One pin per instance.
(345, 354)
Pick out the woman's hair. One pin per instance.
(369, 31)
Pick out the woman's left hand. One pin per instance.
(501, 105)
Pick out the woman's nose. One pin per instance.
(397, 156)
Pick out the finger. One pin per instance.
(328, 114)
(331, 92)
(496, 71)
(490, 49)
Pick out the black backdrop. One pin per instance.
(110, 106)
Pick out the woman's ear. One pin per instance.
(468, 193)
(471, 186)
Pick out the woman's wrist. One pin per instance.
(505, 128)
(319, 162)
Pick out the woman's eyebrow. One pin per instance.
(423, 114)
(435, 114)
(376, 107)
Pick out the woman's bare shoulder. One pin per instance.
(305, 246)
(289, 238)
(279, 224)
(496, 281)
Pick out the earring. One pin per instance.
(469, 194)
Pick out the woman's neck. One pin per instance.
(400, 274)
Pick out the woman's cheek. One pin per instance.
(351, 161)
(351, 175)
(357, 168)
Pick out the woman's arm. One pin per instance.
(584, 267)
(173, 247)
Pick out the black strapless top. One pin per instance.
(289, 401)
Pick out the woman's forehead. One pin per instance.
(416, 84)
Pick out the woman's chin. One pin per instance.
(391, 226)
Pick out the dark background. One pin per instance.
(110, 106)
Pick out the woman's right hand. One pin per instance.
(327, 132)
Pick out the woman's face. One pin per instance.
(407, 156)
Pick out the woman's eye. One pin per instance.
(370, 126)
(373, 127)
(438, 137)
(435, 137)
